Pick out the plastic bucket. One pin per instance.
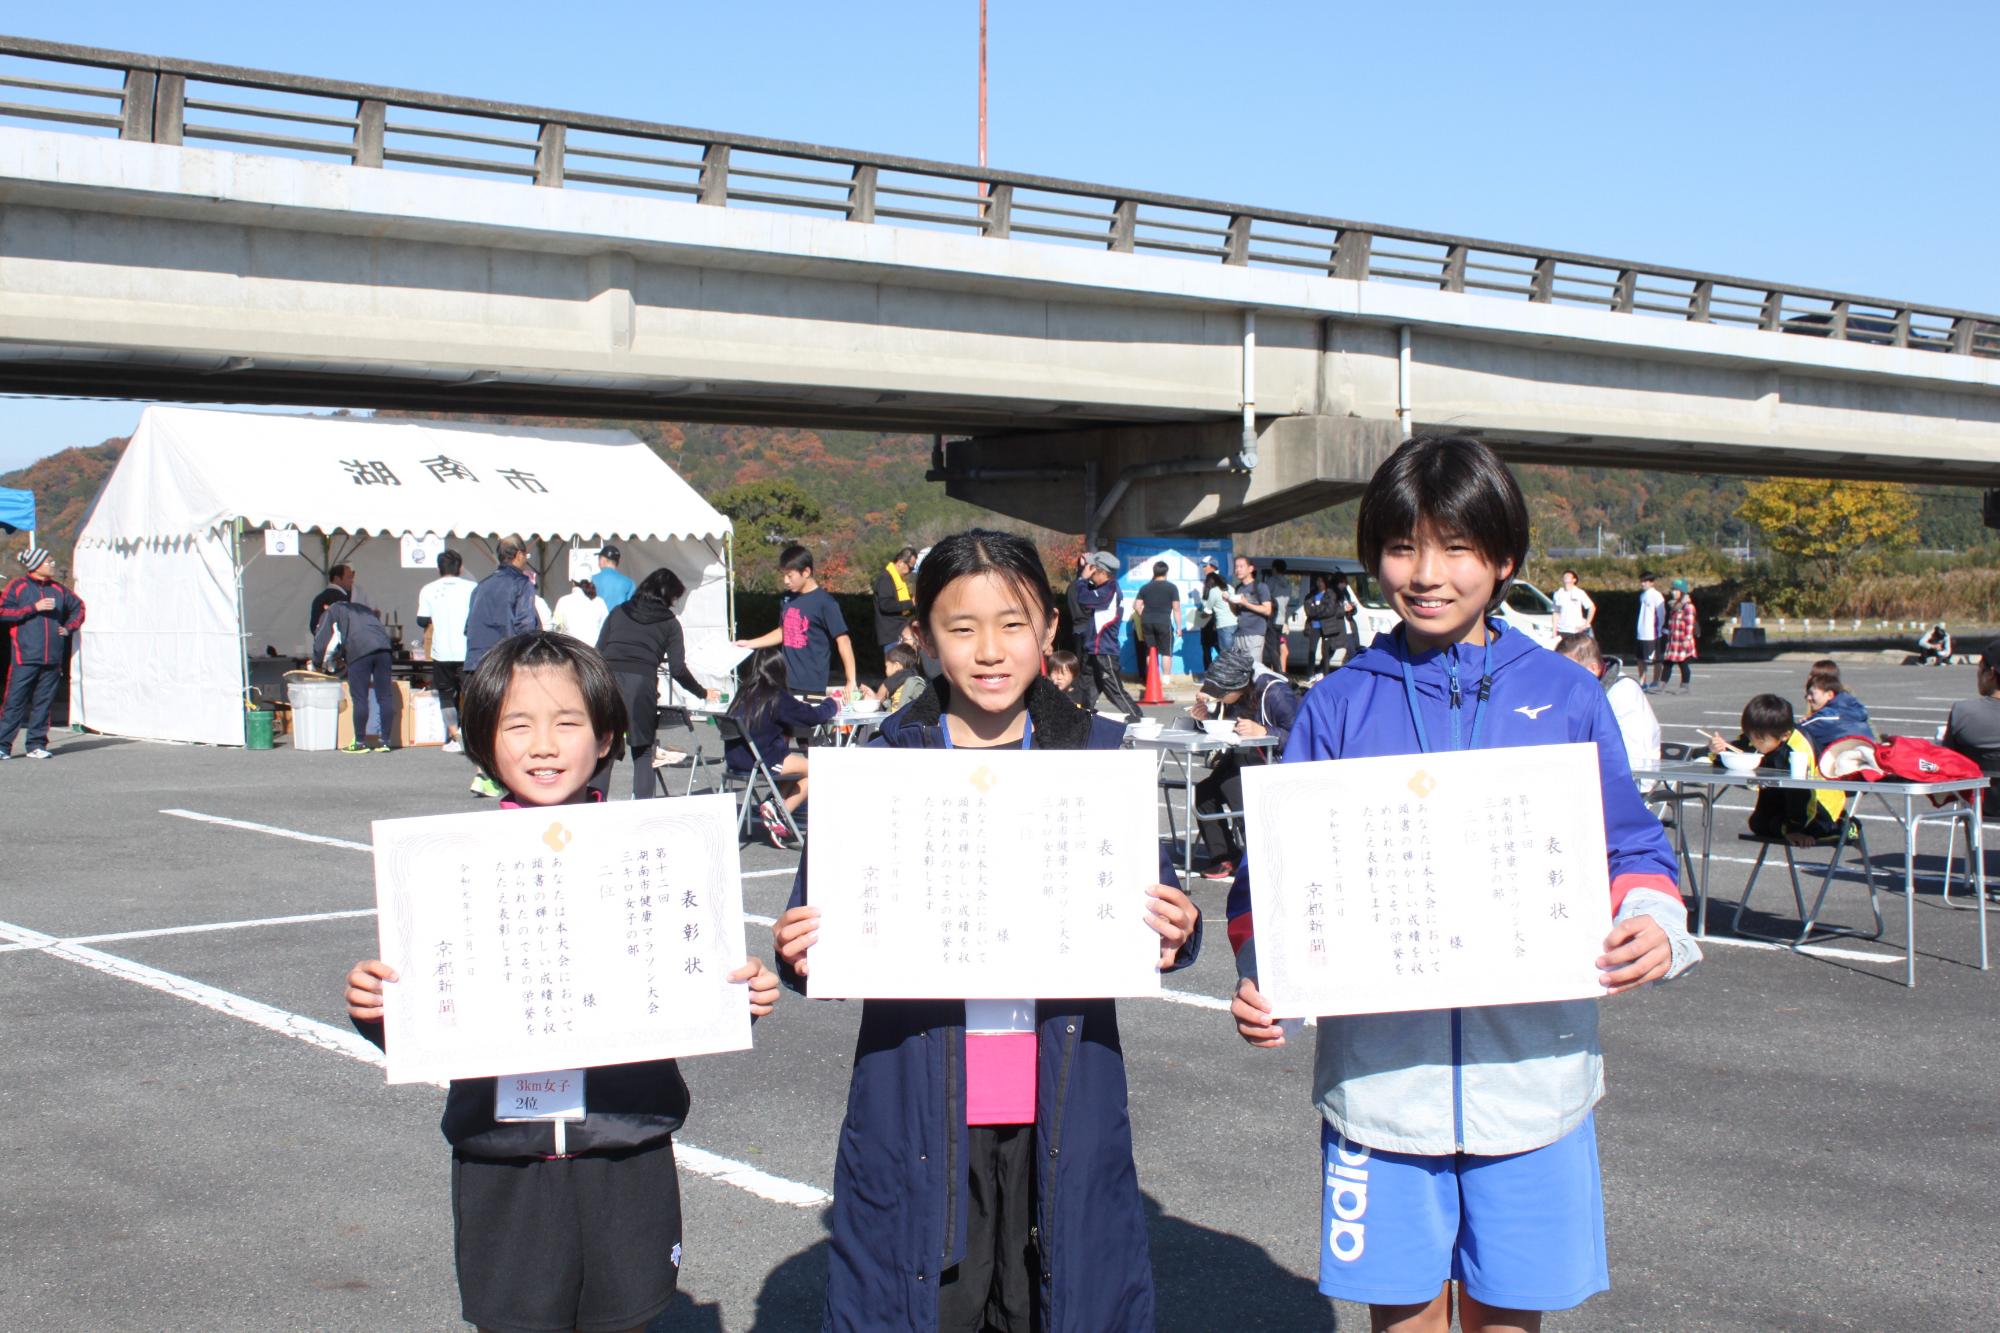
(257, 730)
(315, 713)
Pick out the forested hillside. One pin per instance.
(1638, 508)
(64, 485)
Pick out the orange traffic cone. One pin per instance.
(1154, 694)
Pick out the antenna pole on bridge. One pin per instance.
(982, 89)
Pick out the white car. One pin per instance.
(1525, 608)
(1529, 610)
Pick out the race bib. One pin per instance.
(555, 1094)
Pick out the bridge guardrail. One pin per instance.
(168, 101)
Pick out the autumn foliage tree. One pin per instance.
(769, 512)
(1826, 524)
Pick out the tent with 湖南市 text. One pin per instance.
(182, 567)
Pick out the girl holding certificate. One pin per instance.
(985, 1176)
(1459, 1145)
(569, 1217)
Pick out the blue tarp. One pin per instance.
(17, 509)
(1183, 556)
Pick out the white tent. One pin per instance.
(184, 596)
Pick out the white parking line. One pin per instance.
(1817, 950)
(749, 918)
(310, 1031)
(1933, 715)
(742, 1175)
(1189, 997)
(297, 836)
(217, 925)
(273, 830)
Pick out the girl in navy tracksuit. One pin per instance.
(1459, 1145)
(943, 1226)
(769, 713)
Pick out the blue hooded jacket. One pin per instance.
(898, 1217)
(1504, 1078)
(1844, 715)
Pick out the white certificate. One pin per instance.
(983, 874)
(1428, 881)
(560, 937)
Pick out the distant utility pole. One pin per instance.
(982, 88)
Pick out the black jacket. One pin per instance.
(637, 639)
(625, 1106)
(327, 597)
(892, 612)
(39, 636)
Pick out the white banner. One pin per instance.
(983, 874)
(582, 563)
(560, 937)
(1427, 881)
(281, 541)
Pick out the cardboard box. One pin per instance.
(405, 722)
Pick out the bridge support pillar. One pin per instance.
(1173, 478)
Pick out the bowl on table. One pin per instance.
(1146, 730)
(1741, 761)
(1219, 727)
(864, 705)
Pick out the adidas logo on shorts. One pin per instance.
(1347, 1191)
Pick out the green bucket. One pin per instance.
(257, 730)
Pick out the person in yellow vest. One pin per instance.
(895, 602)
(1798, 815)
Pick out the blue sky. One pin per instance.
(1832, 145)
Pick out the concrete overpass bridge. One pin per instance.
(1105, 360)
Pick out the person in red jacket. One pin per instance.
(43, 616)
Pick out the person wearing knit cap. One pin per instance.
(1102, 605)
(43, 617)
(1262, 703)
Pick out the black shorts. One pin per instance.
(1649, 650)
(446, 678)
(1157, 634)
(591, 1243)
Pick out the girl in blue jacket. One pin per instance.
(938, 1224)
(1459, 1145)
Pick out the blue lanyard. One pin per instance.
(1456, 698)
(1027, 733)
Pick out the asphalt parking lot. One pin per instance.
(197, 1141)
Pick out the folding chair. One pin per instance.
(1807, 919)
(1960, 817)
(700, 761)
(760, 775)
(1175, 789)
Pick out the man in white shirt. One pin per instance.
(1576, 613)
(1637, 726)
(1652, 615)
(442, 606)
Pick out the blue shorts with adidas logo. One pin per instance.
(1521, 1232)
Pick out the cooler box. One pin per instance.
(315, 713)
